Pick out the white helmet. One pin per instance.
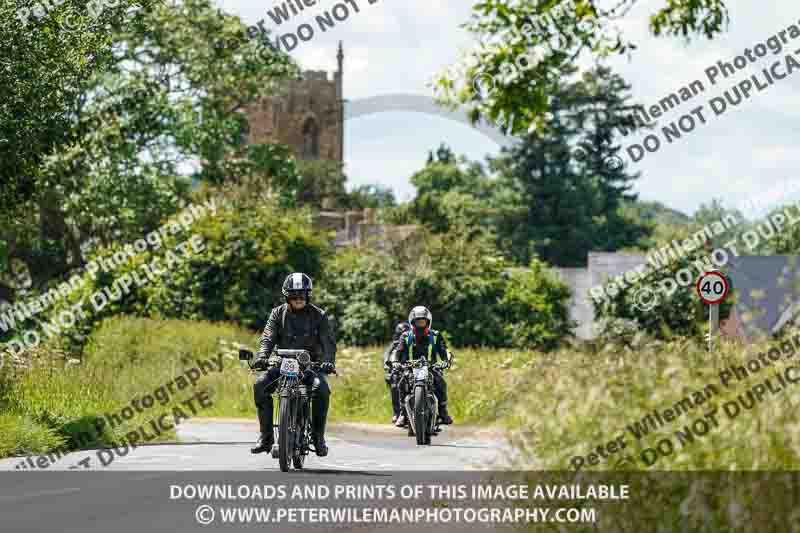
(420, 312)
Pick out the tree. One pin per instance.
(786, 240)
(526, 46)
(444, 154)
(321, 179)
(371, 195)
(49, 56)
(570, 199)
(167, 97)
(451, 191)
(711, 215)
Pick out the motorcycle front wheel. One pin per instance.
(285, 433)
(420, 422)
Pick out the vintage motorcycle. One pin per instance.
(294, 413)
(421, 404)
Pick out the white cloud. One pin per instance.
(393, 47)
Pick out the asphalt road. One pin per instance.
(225, 445)
(134, 493)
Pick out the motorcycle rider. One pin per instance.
(422, 341)
(389, 356)
(299, 325)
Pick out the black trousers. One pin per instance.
(394, 392)
(265, 387)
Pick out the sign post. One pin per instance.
(713, 287)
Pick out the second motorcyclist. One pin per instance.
(422, 341)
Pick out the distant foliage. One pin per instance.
(249, 249)
(462, 279)
(535, 308)
(642, 303)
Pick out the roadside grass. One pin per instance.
(51, 405)
(576, 402)
(556, 406)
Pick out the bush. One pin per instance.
(248, 248)
(682, 314)
(461, 278)
(535, 307)
(51, 405)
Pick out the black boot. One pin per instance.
(267, 438)
(444, 416)
(319, 415)
(395, 394)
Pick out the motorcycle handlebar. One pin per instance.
(314, 365)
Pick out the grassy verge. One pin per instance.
(52, 404)
(558, 406)
(575, 402)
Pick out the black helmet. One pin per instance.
(297, 283)
(401, 328)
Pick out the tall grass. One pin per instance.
(557, 406)
(52, 404)
(574, 402)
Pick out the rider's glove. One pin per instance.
(261, 363)
(327, 367)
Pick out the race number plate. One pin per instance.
(290, 367)
(421, 374)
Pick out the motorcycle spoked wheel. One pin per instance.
(301, 450)
(420, 418)
(285, 432)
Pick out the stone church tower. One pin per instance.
(307, 115)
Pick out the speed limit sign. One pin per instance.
(712, 287)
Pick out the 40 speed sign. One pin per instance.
(712, 287)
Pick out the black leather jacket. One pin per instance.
(307, 329)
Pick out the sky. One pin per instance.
(397, 47)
